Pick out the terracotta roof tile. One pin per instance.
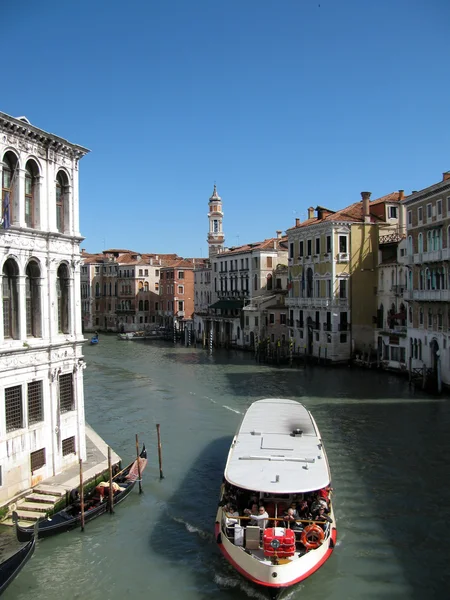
(352, 213)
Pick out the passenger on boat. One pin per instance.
(290, 519)
(303, 510)
(261, 518)
(321, 516)
(231, 513)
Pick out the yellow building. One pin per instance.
(333, 257)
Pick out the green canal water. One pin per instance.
(389, 454)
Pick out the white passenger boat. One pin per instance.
(275, 522)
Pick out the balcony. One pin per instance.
(316, 302)
(436, 255)
(343, 257)
(180, 313)
(429, 295)
(418, 258)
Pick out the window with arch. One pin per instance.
(146, 305)
(420, 243)
(141, 305)
(410, 280)
(419, 346)
(421, 316)
(9, 178)
(33, 299)
(429, 241)
(97, 289)
(410, 314)
(63, 289)
(146, 286)
(10, 300)
(31, 196)
(430, 319)
(62, 185)
(269, 282)
(410, 245)
(381, 280)
(415, 348)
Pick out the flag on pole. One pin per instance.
(6, 212)
(289, 285)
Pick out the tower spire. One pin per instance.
(216, 237)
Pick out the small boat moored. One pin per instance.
(275, 522)
(95, 503)
(11, 567)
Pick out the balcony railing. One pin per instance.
(428, 295)
(316, 302)
(398, 290)
(343, 257)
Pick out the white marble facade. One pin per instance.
(42, 427)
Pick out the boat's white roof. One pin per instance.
(265, 456)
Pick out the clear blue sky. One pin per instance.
(284, 104)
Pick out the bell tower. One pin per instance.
(215, 235)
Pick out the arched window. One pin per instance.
(420, 316)
(61, 196)
(410, 314)
(420, 243)
(269, 282)
(420, 350)
(428, 278)
(141, 305)
(429, 241)
(421, 279)
(146, 286)
(415, 348)
(141, 286)
(410, 245)
(381, 279)
(9, 179)
(411, 347)
(31, 178)
(146, 305)
(62, 286)
(410, 280)
(97, 289)
(110, 289)
(10, 300)
(33, 300)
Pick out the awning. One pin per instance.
(227, 305)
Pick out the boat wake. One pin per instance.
(236, 582)
(232, 409)
(204, 535)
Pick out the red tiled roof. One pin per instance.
(264, 245)
(352, 213)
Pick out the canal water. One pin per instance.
(389, 454)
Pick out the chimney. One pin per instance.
(297, 222)
(310, 212)
(83, 250)
(401, 194)
(446, 176)
(365, 200)
(279, 233)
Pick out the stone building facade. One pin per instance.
(428, 281)
(42, 428)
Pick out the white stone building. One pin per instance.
(42, 428)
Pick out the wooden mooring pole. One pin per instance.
(138, 464)
(110, 491)
(81, 495)
(158, 433)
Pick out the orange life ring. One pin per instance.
(312, 537)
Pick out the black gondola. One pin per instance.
(94, 505)
(11, 567)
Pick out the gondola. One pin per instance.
(95, 504)
(11, 567)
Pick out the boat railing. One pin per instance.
(273, 520)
